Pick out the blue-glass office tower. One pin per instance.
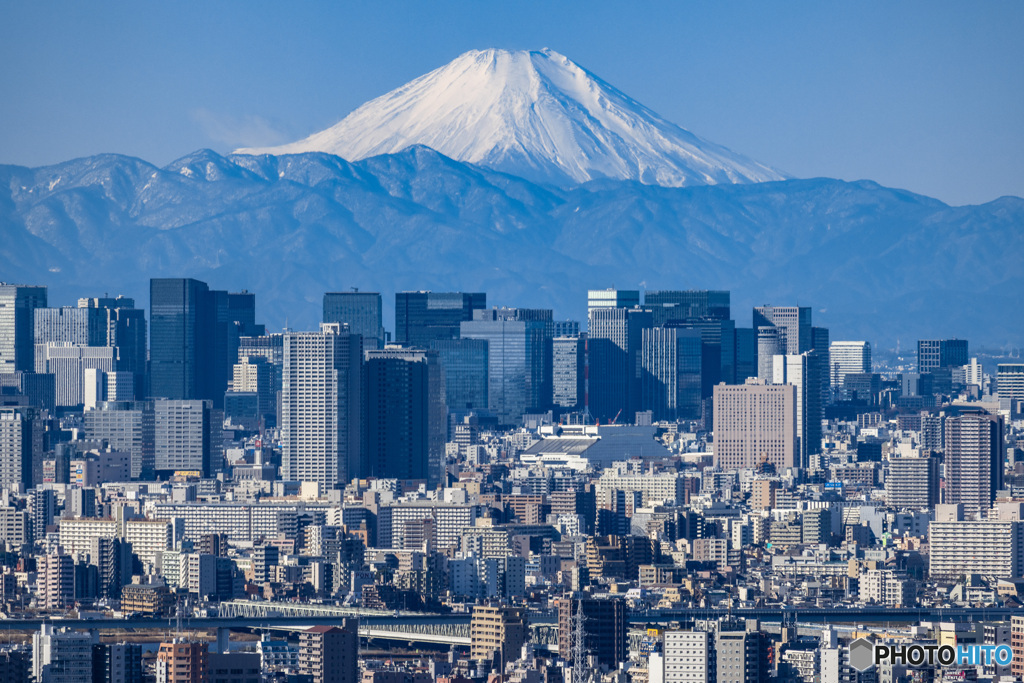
(361, 311)
(671, 362)
(941, 353)
(683, 304)
(404, 415)
(614, 341)
(194, 338)
(519, 359)
(465, 373)
(181, 338)
(421, 317)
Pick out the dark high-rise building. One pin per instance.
(194, 338)
(974, 461)
(614, 340)
(746, 354)
(17, 326)
(465, 373)
(519, 357)
(604, 629)
(671, 373)
(181, 344)
(569, 355)
(423, 316)
(566, 328)
(822, 358)
(361, 311)
(793, 322)
(941, 353)
(405, 417)
(117, 662)
(718, 355)
(683, 304)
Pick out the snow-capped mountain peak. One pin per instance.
(535, 114)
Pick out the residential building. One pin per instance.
(321, 420)
(330, 654)
(974, 461)
(497, 633)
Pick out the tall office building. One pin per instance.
(320, 406)
(718, 349)
(568, 370)
(941, 353)
(255, 375)
(793, 322)
(671, 373)
(755, 423)
(741, 657)
(182, 437)
(194, 338)
(126, 331)
(822, 360)
(612, 298)
(770, 343)
(128, 427)
(405, 425)
(328, 654)
(465, 373)
(566, 328)
(68, 363)
(181, 326)
(424, 316)
(17, 326)
(693, 303)
(746, 353)
(614, 342)
(519, 357)
(801, 370)
(848, 357)
(361, 311)
(76, 326)
(974, 461)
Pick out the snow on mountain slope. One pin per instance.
(538, 115)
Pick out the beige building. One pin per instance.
(755, 423)
(497, 629)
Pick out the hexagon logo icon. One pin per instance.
(862, 654)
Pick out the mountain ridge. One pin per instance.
(883, 263)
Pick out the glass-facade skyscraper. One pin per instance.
(421, 317)
(671, 373)
(17, 326)
(361, 311)
(465, 373)
(519, 359)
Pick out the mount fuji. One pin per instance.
(537, 115)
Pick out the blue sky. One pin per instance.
(927, 96)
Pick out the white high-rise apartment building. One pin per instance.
(848, 357)
(320, 406)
